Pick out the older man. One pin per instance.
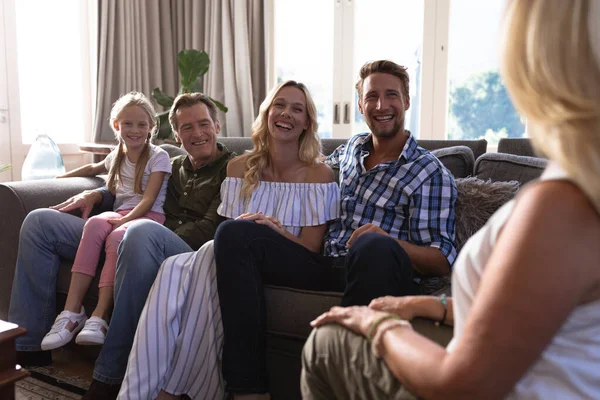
(47, 235)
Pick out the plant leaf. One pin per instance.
(164, 128)
(219, 105)
(163, 99)
(4, 167)
(192, 65)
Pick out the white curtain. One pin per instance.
(139, 41)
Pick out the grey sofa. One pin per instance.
(289, 311)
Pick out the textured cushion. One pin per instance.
(477, 201)
(458, 159)
(506, 167)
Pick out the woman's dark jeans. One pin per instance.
(249, 256)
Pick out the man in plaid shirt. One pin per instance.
(397, 199)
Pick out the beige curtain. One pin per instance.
(139, 41)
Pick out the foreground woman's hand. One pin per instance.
(358, 318)
(401, 306)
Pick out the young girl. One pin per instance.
(137, 174)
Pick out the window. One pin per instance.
(53, 61)
(449, 46)
(304, 52)
(396, 35)
(478, 103)
(323, 43)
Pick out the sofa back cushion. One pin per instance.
(478, 147)
(458, 159)
(506, 167)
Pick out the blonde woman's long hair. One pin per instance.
(551, 67)
(114, 174)
(258, 159)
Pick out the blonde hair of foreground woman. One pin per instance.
(562, 107)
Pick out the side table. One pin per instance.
(99, 150)
(10, 372)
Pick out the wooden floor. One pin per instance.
(76, 360)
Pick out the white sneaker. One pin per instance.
(93, 333)
(65, 326)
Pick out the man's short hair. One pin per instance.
(385, 67)
(188, 100)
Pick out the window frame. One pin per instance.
(434, 82)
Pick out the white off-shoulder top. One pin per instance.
(295, 205)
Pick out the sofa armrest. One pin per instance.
(17, 199)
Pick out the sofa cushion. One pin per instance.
(458, 159)
(172, 150)
(304, 305)
(477, 201)
(506, 167)
(478, 147)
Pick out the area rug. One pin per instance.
(50, 383)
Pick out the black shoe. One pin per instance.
(101, 391)
(34, 358)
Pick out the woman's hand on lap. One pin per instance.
(357, 318)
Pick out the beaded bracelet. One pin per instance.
(445, 304)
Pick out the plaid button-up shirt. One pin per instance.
(411, 198)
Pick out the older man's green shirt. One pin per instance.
(193, 196)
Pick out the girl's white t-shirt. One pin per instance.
(126, 198)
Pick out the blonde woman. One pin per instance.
(280, 185)
(526, 287)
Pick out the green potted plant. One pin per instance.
(192, 64)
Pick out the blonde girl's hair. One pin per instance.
(114, 174)
(551, 67)
(258, 158)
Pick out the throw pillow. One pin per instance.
(477, 201)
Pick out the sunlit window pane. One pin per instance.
(304, 51)
(479, 105)
(50, 69)
(392, 30)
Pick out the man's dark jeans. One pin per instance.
(249, 256)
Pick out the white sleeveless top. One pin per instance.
(295, 205)
(569, 368)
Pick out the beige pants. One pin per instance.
(339, 364)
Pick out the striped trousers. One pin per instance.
(179, 339)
